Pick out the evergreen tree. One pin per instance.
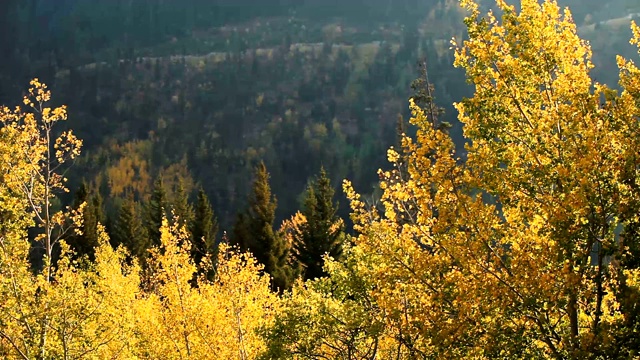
(322, 233)
(254, 232)
(129, 230)
(155, 211)
(424, 97)
(99, 217)
(84, 242)
(204, 228)
(240, 234)
(182, 209)
(81, 195)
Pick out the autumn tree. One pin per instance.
(66, 311)
(254, 231)
(46, 156)
(218, 318)
(556, 151)
(524, 251)
(321, 232)
(334, 317)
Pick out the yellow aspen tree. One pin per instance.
(75, 309)
(215, 319)
(557, 151)
(528, 248)
(45, 156)
(173, 305)
(89, 306)
(244, 304)
(333, 317)
(416, 253)
(16, 285)
(17, 338)
(110, 330)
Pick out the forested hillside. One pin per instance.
(200, 93)
(170, 180)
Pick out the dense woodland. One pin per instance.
(201, 92)
(172, 92)
(173, 191)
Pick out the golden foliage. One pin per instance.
(130, 173)
(213, 320)
(83, 312)
(76, 309)
(291, 229)
(527, 249)
(524, 250)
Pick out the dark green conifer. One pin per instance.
(182, 209)
(254, 232)
(155, 211)
(240, 234)
(323, 231)
(204, 228)
(85, 242)
(129, 230)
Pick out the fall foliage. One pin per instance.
(515, 252)
(72, 307)
(527, 247)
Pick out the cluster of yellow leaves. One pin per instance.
(521, 251)
(527, 249)
(332, 318)
(215, 319)
(130, 173)
(99, 310)
(291, 229)
(560, 163)
(33, 158)
(84, 311)
(421, 253)
(77, 309)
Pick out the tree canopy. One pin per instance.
(520, 251)
(525, 247)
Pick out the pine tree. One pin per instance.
(84, 242)
(96, 209)
(204, 228)
(81, 195)
(423, 97)
(129, 230)
(240, 234)
(182, 209)
(254, 232)
(322, 233)
(155, 211)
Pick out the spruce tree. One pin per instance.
(155, 211)
(322, 233)
(77, 239)
(254, 232)
(204, 228)
(240, 234)
(84, 242)
(129, 230)
(96, 209)
(182, 209)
